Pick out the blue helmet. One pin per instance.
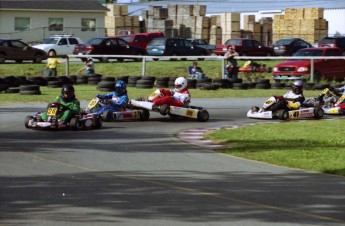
(120, 88)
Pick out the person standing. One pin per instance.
(231, 66)
(89, 67)
(52, 63)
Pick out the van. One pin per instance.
(141, 39)
(175, 47)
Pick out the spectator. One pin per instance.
(231, 66)
(52, 63)
(89, 67)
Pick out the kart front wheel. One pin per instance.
(144, 115)
(27, 120)
(203, 116)
(318, 113)
(107, 116)
(98, 123)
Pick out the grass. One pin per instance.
(311, 145)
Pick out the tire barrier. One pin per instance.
(29, 90)
(162, 82)
(106, 86)
(132, 81)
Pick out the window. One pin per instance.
(73, 41)
(21, 24)
(55, 24)
(88, 24)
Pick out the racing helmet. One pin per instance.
(180, 84)
(120, 88)
(297, 87)
(67, 92)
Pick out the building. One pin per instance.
(34, 20)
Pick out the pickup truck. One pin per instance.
(203, 44)
(329, 69)
(245, 47)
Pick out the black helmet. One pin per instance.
(67, 92)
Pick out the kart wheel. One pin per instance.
(74, 124)
(27, 120)
(107, 116)
(283, 114)
(98, 123)
(203, 116)
(164, 109)
(318, 113)
(255, 109)
(173, 116)
(144, 115)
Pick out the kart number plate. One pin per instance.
(92, 104)
(334, 111)
(190, 113)
(52, 111)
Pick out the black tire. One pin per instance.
(144, 115)
(29, 87)
(139, 86)
(318, 113)
(105, 84)
(203, 116)
(240, 86)
(74, 124)
(107, 116)
(282, 114)
(26, 121)
(255, 108)
(145, 82)
(263, 86)
(3, 87)
(98, 123)
(38, 59)
(12, 90)
(54, 84)
(30, 92)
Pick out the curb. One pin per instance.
(196, 136)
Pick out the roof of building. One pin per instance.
(56, 5)
(221, 6)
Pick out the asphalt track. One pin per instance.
(143, 173)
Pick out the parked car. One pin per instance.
(288, 46)
(245, 47)
(301, 68)
(175, 47)
(332, 42)
(203, 43)
(141, 39)
(108, 46)
(60, 44)
(15, 49)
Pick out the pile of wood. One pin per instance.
(259, 30)
(305, 23)
(118, 22)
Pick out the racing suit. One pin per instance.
(289, 101)
(73, 108)
(173, 98)
(116, 103)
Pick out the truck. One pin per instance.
(329, 69)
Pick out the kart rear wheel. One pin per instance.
(98, 123)
(144, 115)
(27, 120)
(283, 114)
(318, 113)
(203, 116)
(74, 124)
(107, 116)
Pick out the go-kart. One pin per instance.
(269, 110)
(337, 108)
(54, 111)
(129, 112)
(189, 111)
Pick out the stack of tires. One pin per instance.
(263, 84)
(162, 82)
(132, 81)
(29, 90)
(93, 79)
(146, 82)
(81, 79)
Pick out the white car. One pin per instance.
(60, 44)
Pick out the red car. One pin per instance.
(323, 68)
(245, 47)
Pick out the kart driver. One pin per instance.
(179, 97)
(68, 99)
(291, 100)
(117, 100)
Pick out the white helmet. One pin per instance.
(180, 84)
(297, 87)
